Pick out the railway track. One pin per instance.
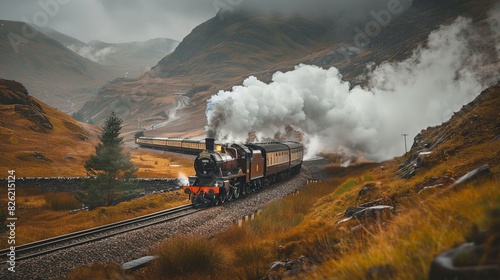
(57, 243)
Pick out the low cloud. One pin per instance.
(96, 55)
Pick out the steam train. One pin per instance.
(180, 145)
(240, 169)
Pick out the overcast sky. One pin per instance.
(139, 20)
(113, 20)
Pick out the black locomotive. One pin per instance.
(241, 168)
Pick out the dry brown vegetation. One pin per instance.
(306, 224)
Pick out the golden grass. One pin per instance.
(223, 257)
(306, 224)
(155, 164)
(415, 236)
(57, 145)
(193, 257)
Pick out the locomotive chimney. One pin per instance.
(210, 144)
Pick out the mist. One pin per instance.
(401, 97)
(318, 8)
(96, 55)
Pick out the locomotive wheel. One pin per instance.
(236, 192)
(216, 201)
(230, 193)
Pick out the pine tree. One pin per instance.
(109, 167)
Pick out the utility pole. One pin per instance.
(404, 135)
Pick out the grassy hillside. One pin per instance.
(37, 140)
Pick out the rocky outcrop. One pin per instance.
(14, 93)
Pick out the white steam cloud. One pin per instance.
(183, 179)
(402, 97)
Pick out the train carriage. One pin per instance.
(187, 146)
(277, 157)
(296, 155)
(191, 145)
(174, 143)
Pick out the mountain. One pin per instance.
(37, 139)
(241, 43)
(128, 59)
(49, 70)
(61, 38)
(132, 59)
(219, 54)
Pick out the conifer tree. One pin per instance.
(109, 167)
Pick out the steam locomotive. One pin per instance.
(240, 169)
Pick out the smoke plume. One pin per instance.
(403, 97)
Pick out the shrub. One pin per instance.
(196, 256)
(62, 201)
